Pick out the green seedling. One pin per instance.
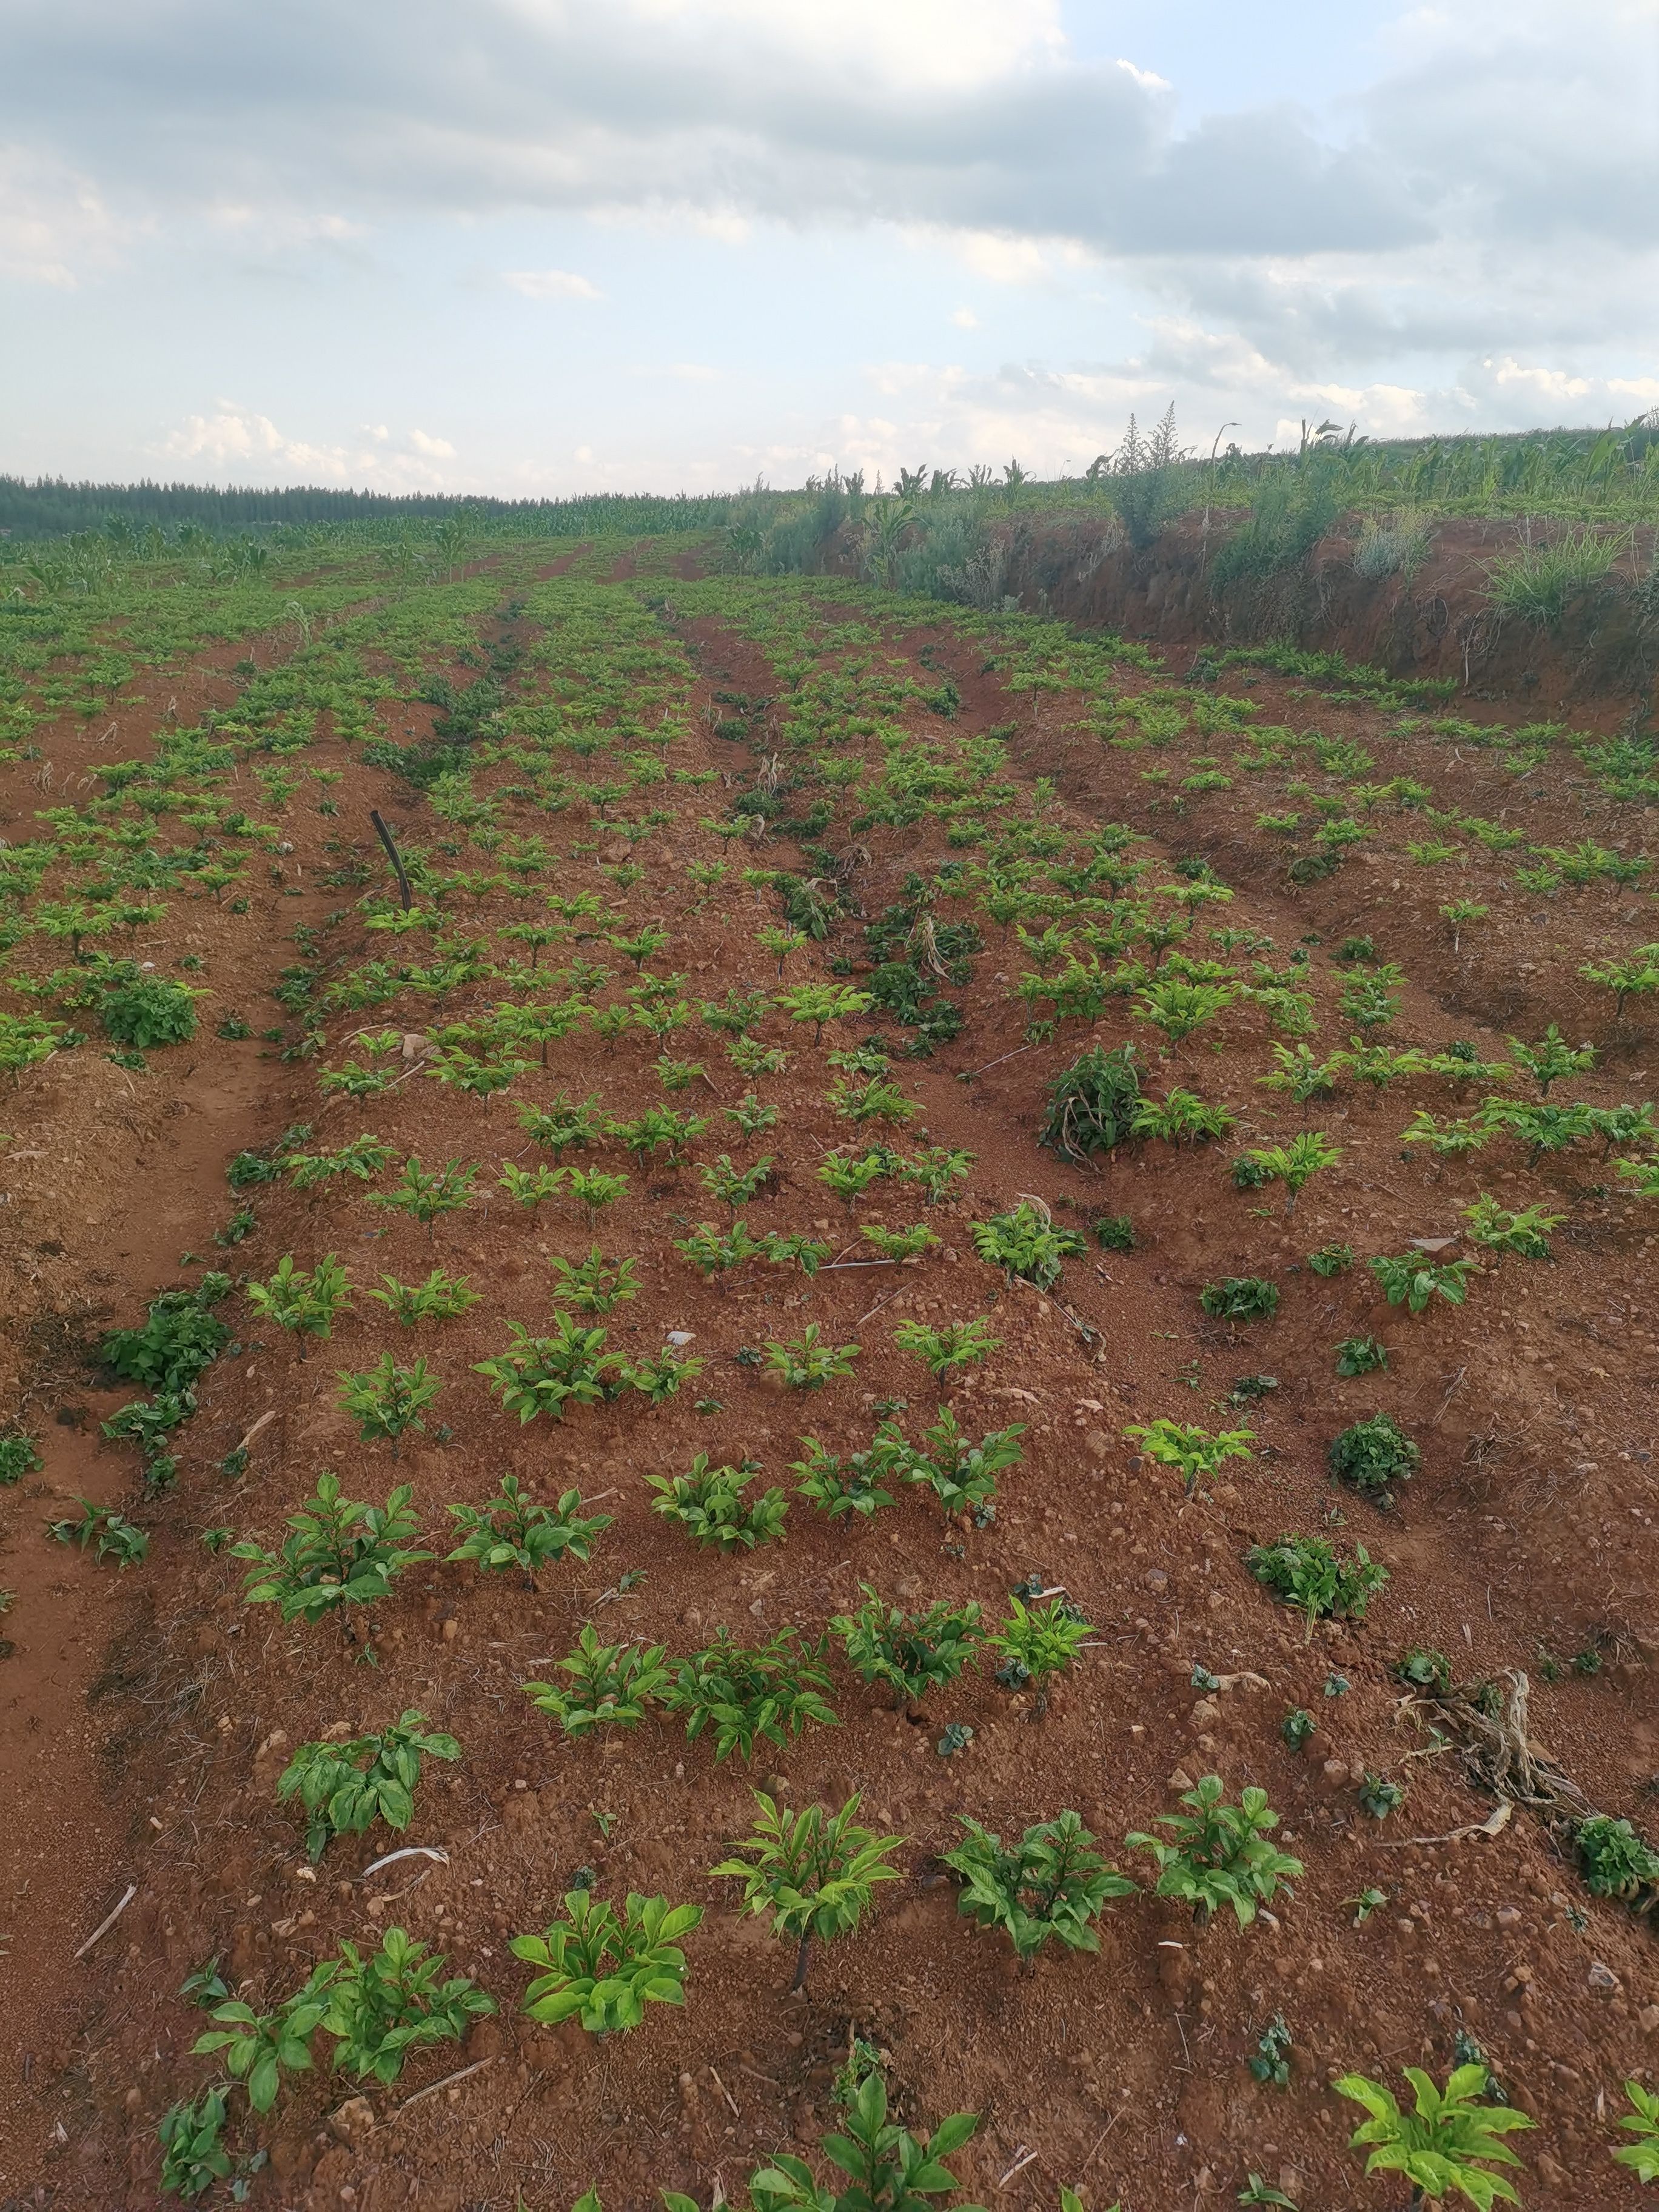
(937, 1171)
(875, 1099)
(1192, 1452)
(709, 1505)
(601, 1967)
(18, 1457)
(1270, 2061)
(511, 1530)
(1634, 977)
(1051, 1886)
(545, 1374)
(1615, 1861)
(1551, 1059)
(1294, 1165)
(440, 1298)
(911, 1654)
(741, 1697)
(1525, 1233)
(259, 2048)
(346, 1787)
(659, 1129)
(1258, 2191)
(1181, 1118)
(563, 1126)
(389, 1399)
(362, 1159)
(752, 1058)
(944, 1351)
(384, 2004)
(1219, 1854)
(1361, 1355)
(1025, 1244)
(805, 1363)
(735, 1187)
(1298, 1072)
(424, 1194)
(1642, 2121)
(712, 1252)
(1331, 1259)
(900, 1243)
(1296, 1728)
(1449, 2142)
(1305, 1571)
(660, 1374)
(1037, 1644)
(751, 1116)
(821, 1003)
(1177, 1007)
(1453, 1139)
(838, 1489)
(1372, 1454)
(193, 2156)
(530, 1187)
(961, 1475)
(115, 1536)
(814, 1872)
(888, 2169)
(1240, 1297)
(610, 1685)
(850, 1176)
(303, 1303)
(1412, 1279)
(338, 1554)
(1379, 1797)
(1091, 1103)
(593, 1284)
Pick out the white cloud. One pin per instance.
(242, 445)
(682, 372)
(54, 224)
(1469, 237)
(550, 284)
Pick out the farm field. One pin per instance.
(952, 1220)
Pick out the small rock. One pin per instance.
(1206, 1713)
(1156, 1581)
(1648, 2019)
(353, 2120)
(1603, 1980)
(1508, 1916)
(678, 1336)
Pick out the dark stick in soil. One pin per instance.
(392, 854)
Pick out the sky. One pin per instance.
(533, 247)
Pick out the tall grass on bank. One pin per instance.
(1539, 583)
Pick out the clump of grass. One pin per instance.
(1392, 545)
(1539, 583)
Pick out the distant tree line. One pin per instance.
(52, 507)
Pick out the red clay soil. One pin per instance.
(1593, 668)
(147, 1716)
